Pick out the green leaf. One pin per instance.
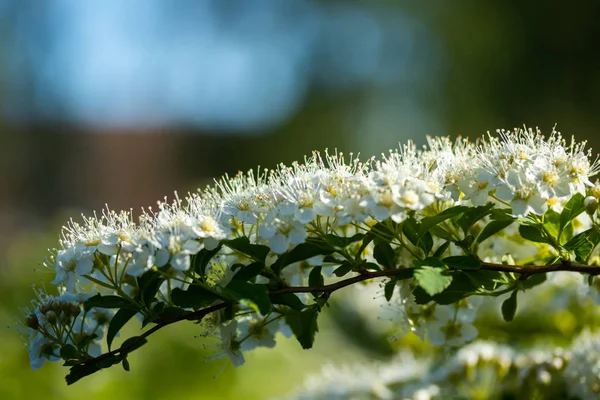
(501, 214)
(388, 289)
(369, 266)
(257, 252)
(249, 271)
(302, 252)
(430, 262)
(100, 301)
(440, 232)
(532, 281)
(125, 364)
(410, 229)
(466, 242)
(304, 325)
(68, 352)
(572, 209)
(462, 262)
(433, 280)
(333, 260)
(368, 238)
(380, 229)
(288, 299)
(460, 287)
(583, 244)
(148, 285)
(82, 370)
(201, 260)
(494, 227)
(583, 252)
(481, 279)
(534, 233)
(343, 269)
(384, 254)
(229, 312)
(440, 250)
(474, 214)
(509, 307)
(253, 295)
(193, 297)
(341, 241)
(119, 320)
(315, 279)
(133, 343)
(551, 222)
(428, 222)
(426, 243)
(169, 313)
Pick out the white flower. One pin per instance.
(282, 231)
(72, 263)
(452, 333)
(208, 229)
(42, 349)
(583, 371)
(180, 247)
(522, 194)
(256, 332)
(144, 258)
(230, 343)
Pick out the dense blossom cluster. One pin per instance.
(520, 171)
(482, 369)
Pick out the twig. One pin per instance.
(527, 270)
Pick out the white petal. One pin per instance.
(538, 205)
(108, 249)
(468, 332)
(479, 197)
(192, 246)
(279, 243)
(236, 357)
(505, 193)
(266, 231)
(519, 207)
(297, 235)
(435, 335)
(84, 266)
(180, 262)
(161, 258)
(305, 215)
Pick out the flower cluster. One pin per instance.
(482, 369)
(59, 326)
(236, 243)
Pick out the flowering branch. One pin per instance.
(327, 290)
(463, 219)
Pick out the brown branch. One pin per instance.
(525, 270)
(542, 269)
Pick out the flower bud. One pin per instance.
(44, 308)
(596, 191)
(64, 317)
(74, 310)
(591, 204)
(32, 322)
(102, 318)
(48, 349)
(56, 307)
(51, 317)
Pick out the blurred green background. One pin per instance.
(125, 102)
